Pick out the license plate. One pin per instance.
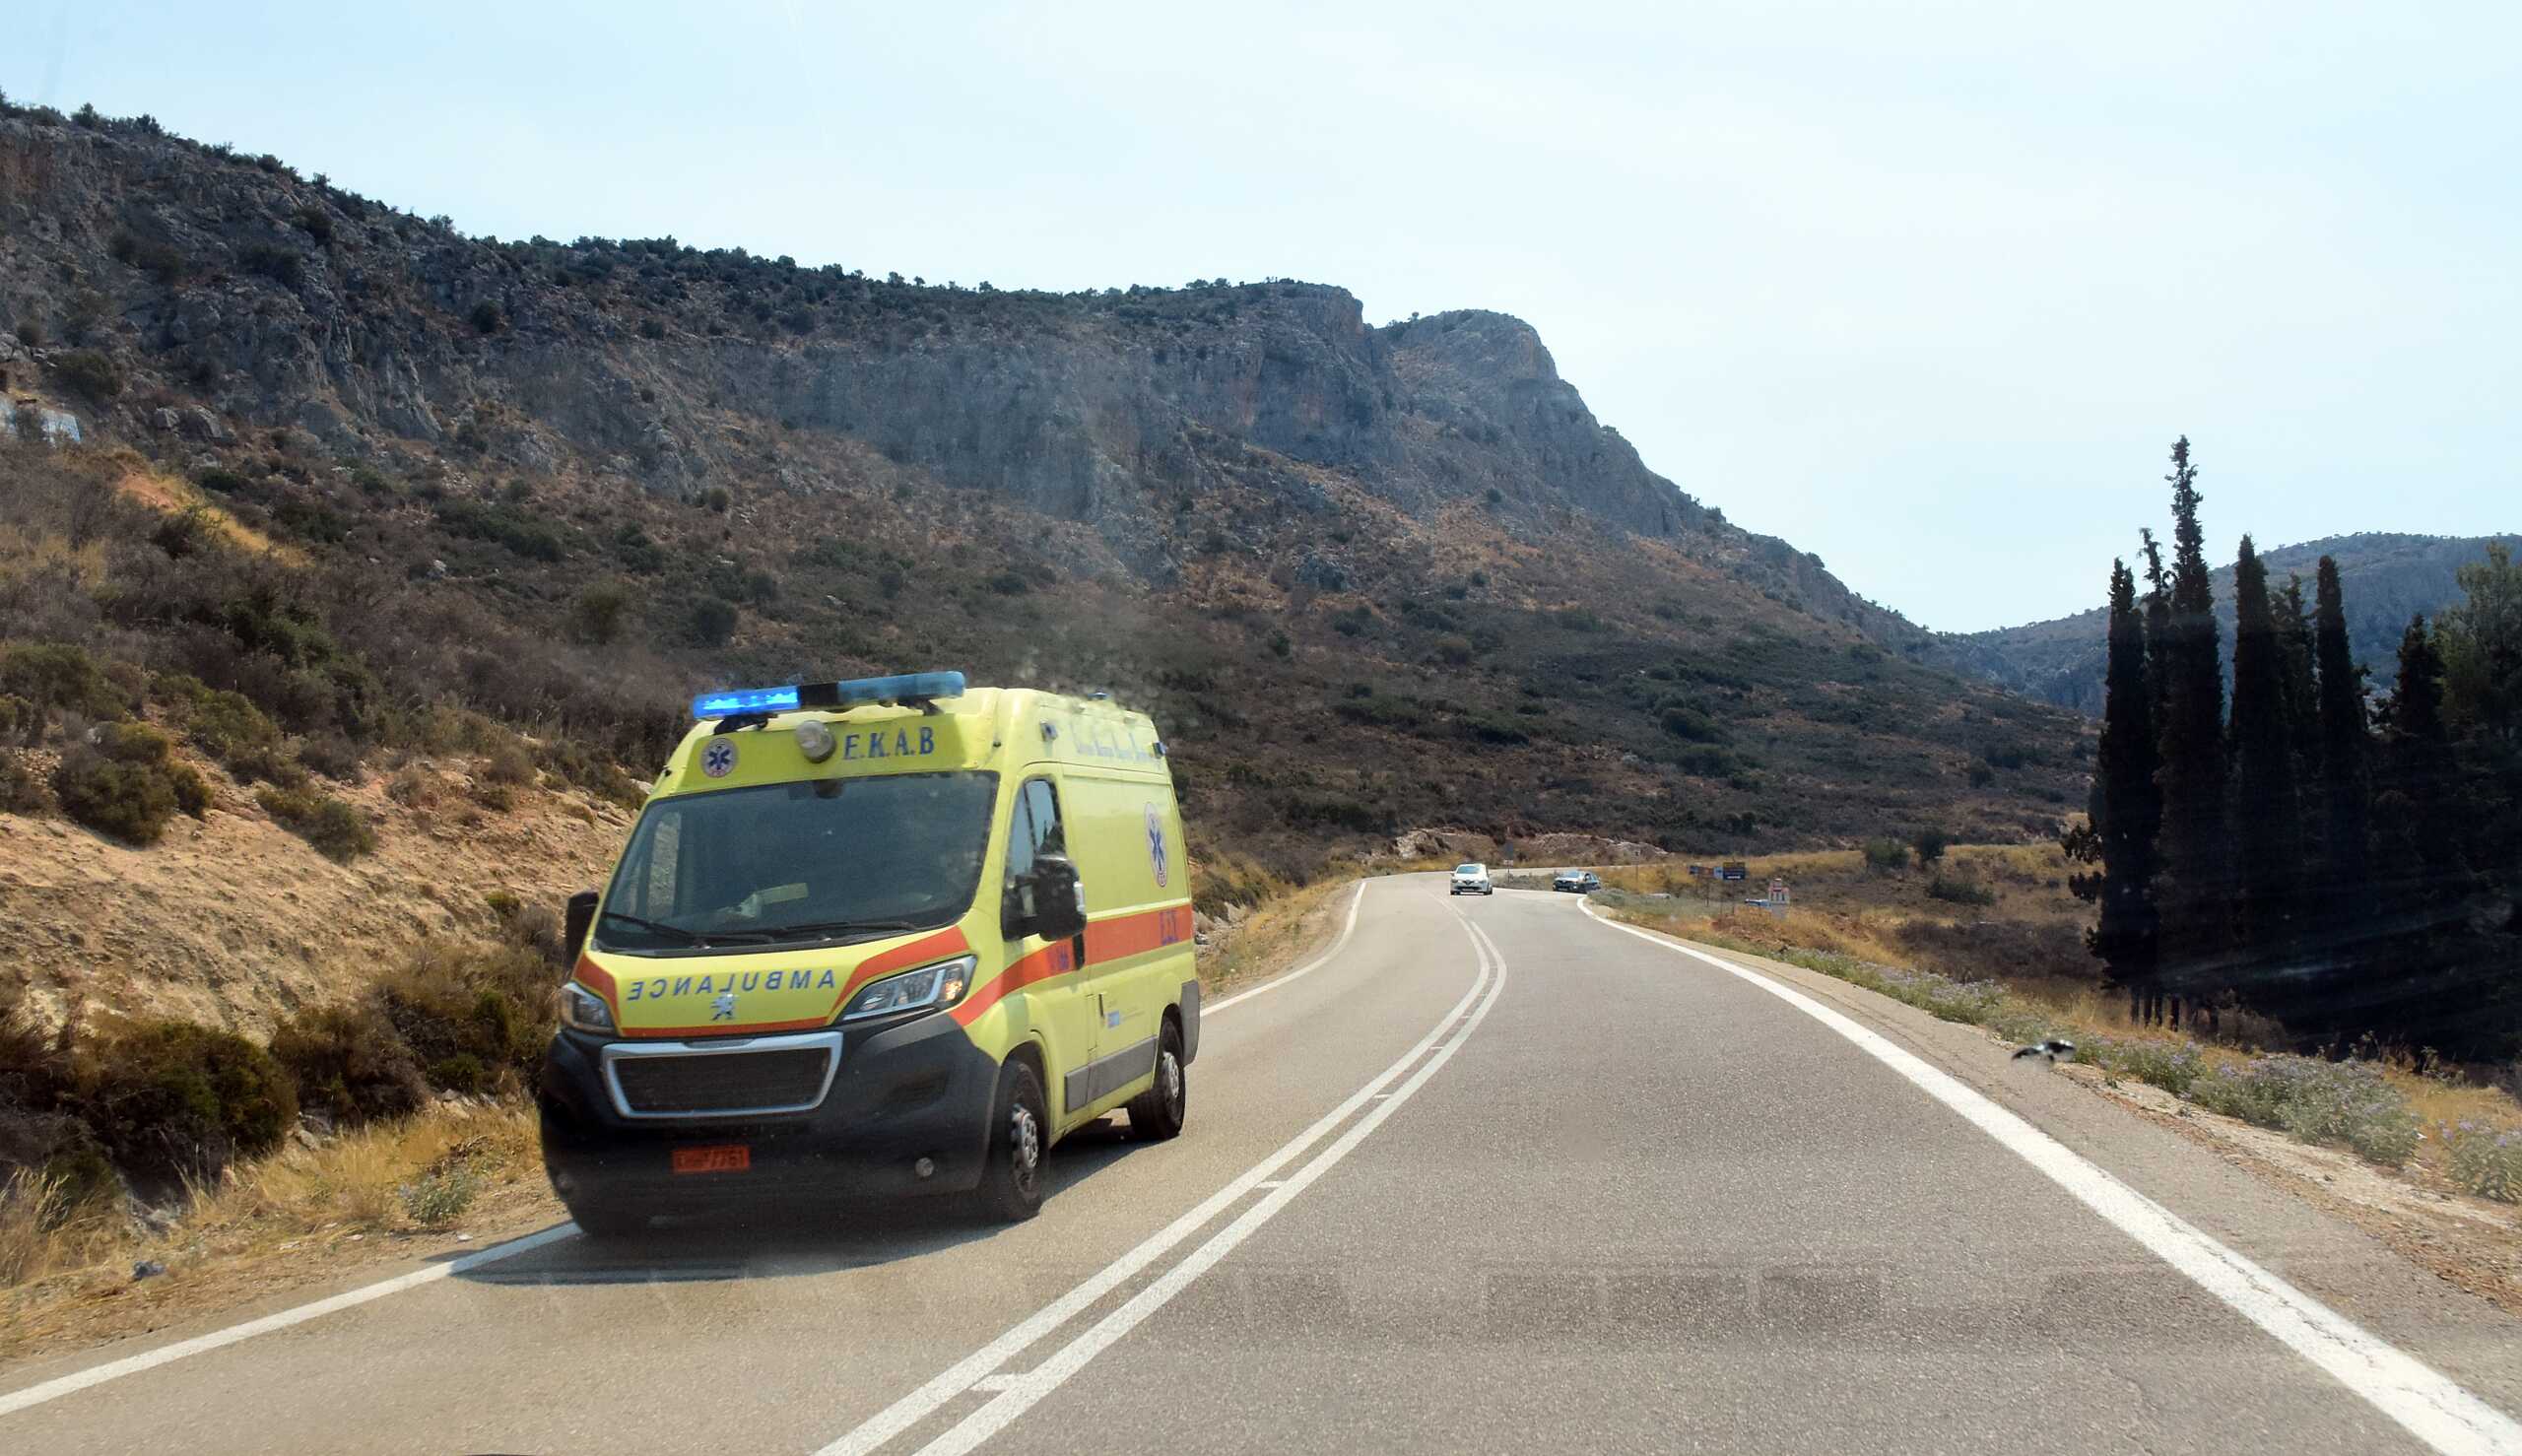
(717, 1157)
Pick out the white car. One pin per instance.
(1471, 880)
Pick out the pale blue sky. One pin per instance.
(1925, 289)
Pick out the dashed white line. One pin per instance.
(2429, 1406)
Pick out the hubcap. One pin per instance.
(1170, 1077)
(1024, 1144)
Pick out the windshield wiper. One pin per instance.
(826, 929)
(677, 931)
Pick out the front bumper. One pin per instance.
(918, 1089)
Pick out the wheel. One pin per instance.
(1010, 1186)
(613, 1220)
(1156, 1113)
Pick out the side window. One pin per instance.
(1034, 829)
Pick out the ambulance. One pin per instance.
(887, 934)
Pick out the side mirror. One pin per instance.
(1059, 899)
(576, 921)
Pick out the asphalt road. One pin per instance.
(1491, 1176)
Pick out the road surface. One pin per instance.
(1492, 1175)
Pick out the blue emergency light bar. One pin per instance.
(900, 688)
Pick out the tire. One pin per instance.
(615, 1219)
(1020, 1133)
(1157, 1113)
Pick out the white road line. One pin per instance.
(36, 1395)
(2429, 1406)
(1316, 964)
(917, 1406)
(1070, 1358)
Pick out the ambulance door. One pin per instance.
(1054, 985)
(1119, 827)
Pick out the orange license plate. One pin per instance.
(717, 1157)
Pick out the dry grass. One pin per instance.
(1264, 942)
(300, 1215)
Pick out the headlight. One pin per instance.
(584, 1010)
(941, 984)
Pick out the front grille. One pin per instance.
(783, 1080)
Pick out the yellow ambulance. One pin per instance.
(891, 934)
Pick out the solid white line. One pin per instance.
(2429, 1406)
(36, 1395)
(1073, 1356)
(1307, 970)
(944, 1386)
(995, 1382)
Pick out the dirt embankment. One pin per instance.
(234, 921)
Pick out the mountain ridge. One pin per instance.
(631, 468)
(2385, 577)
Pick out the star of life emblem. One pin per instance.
(724, 1008)
(1155, 843)
(718, 759)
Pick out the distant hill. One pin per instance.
(1367, 577)
(2385, 579)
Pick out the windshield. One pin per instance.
(1467, 869)
(781, 863)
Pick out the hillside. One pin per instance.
(1368, 579)
(2384, 579)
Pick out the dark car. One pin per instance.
(1576, 882)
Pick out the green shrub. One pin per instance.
(172, 1098)
(284, 266)
(460, 1072)
(21, 721)
(2486, 1161)
(485, 317)
(507, 526)
(440, 1196)
(20, 790)
(1883, 856)
(223, 724)
(509, 764)
(712, 621)
(1960, 891)
(1930, 843)
(60, 676)
(127, 784)
(349, 1061)
(90, 373)
(477, 1015)
(338, 830)
(2316, 1101)
(331, 754)
(597, 617)
(1692, 725)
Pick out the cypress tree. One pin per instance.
(2302, 692)
(2347, 792)
(2418, 823)
(2158, 621)
(2418, 766)
(2127, 810)
(2268, 842)
(2197, 919)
